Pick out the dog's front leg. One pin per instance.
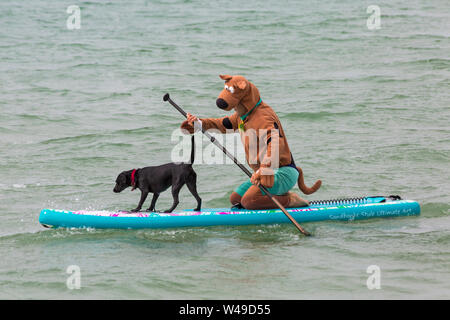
(152, 205)
(141, 202)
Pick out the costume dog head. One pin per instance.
(237, 90)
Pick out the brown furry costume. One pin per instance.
(260, 117)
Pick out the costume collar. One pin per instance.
(247, 114)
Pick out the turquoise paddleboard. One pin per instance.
(340, 209)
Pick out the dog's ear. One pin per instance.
(225, 77)
(242, 84)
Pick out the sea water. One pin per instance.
(362, 90)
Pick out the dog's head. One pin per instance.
(237, 90)
(123, 181)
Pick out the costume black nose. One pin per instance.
(222, 104)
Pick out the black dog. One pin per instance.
(158, 179)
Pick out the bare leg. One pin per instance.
(254, 200)
(235, 198)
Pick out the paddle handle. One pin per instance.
(211, 138)
(240, 165)
(167, 98)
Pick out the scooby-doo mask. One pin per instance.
(237, 90)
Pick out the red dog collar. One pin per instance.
(133, 180)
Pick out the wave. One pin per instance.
(93, 136)
(316, 115)
(71, 138)
(27, 116)
(40, 235)
(63, 92)
(435, 209)
(435, 63)
(261, 234)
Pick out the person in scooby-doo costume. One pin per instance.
(271, 161)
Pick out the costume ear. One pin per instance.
(225, 77)
(242, 84)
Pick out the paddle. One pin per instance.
(240, 165)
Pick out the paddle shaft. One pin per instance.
(240, 165)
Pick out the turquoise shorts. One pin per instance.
(285, 179)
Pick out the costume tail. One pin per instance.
(192, 150)
(303, 187)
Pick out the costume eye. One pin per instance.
(231, 89)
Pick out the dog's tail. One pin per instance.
(303, 187)
(192, 150)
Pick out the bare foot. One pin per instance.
(295, 201)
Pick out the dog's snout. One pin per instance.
(222, 104)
